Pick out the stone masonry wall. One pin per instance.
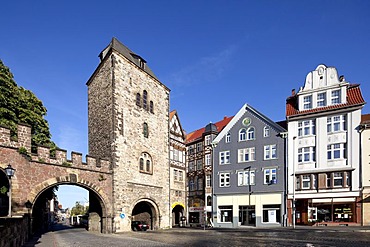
(130, 185)
(100, 104)
(34, 173)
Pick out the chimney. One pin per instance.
(293, 92)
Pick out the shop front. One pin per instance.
(328, 211)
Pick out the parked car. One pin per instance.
(139, 225)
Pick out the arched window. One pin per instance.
(228, 138)
(146, 164)
(145, 130)
(242, 135)
(266, 131)
(145, 100)
(250, 133)
(141, 164)
(138, 99)
(151, 107)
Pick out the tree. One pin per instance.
(19, 105)
(79, 209)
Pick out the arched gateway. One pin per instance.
(36, 174)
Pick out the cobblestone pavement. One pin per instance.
(303, 236)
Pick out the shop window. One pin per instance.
(271, 213)
(226, 213)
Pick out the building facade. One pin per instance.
(323, 121)
(177, 170)
(249, 172)
(365, 168)
(128, 120)
(199, 175)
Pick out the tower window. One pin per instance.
(145, 130)
(145, 100)
(151, 107)
(138, 99)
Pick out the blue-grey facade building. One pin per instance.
(249, 172)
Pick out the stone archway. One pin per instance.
(177, 213)
(4, 198)
(146, 210)
(98, 201)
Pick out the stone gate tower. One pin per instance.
(128, 116)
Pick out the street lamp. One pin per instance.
(249, 190)
(10, 173)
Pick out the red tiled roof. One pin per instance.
(192, 136)
(354, 98)
(365, 118)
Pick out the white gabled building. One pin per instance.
(323, 120)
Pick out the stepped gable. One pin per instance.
(43, 153)
(195, 135)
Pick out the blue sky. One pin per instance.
(213, 55)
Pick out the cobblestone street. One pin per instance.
(301, 236)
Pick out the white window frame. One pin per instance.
(207, 140)
(336, 123)
(306, 154)
(224, 158)
(191, 166)
(270, 152)
(338, 176)
(207, 159)
(336, 151)
(246, 177)
(266, 131)
(251, 135)
(224, 179)
(228, 138)
(208, 180)
(307, 102)
(306, 128)
(242, 134)
(269, 174)
(336, 97)
(181, 175)
(175, 174)
(306, 179)
(246, 154)
(321, 99)
(199, 164)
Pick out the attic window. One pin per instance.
(142, 63)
